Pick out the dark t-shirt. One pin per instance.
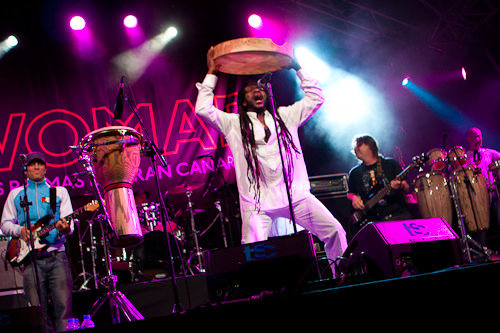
(364, 181)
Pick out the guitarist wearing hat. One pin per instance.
(374, 174)
(54, 271)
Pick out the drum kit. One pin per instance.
(456, 191)
(111, 158)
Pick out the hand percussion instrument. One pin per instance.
(115, 154)
(474, 198)
(457, 157)
(249, 56)
(433, 196)
(437, 159)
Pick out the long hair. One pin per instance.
(367, 140)
(248, 139)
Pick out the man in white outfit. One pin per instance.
(252, 138)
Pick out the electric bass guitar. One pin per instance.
(360, 217)
(18, 249)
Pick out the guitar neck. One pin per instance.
(45, 230)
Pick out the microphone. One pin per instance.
(119, 101)
(264, 80)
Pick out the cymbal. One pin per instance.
(182, 189)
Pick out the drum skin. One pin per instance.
(250, 56)
(433, 196)
(476, 211)
(437, 159)
(457, 157)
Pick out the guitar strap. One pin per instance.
(379, 171)
(53, 200)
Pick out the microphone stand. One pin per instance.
(25, 205)
(153, 151)
(269, 91)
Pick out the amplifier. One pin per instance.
(277, 264)
(329, 186)
(401, 248)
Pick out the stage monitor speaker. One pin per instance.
(10, 277)
(401, 248)
(277, 264)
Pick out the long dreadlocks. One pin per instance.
(250, 148)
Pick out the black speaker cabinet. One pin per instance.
(277, 264)
(400, 248)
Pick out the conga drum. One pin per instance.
(437, 159)
(457, 157)
(433, 196)
(474, 199)
(115, 156)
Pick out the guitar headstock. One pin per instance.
(419, 160)
(91, 206)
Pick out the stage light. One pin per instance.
(255, 21)
(130, 21)
(7, 44)
(77, 23)
(405, 81)
(464, 73)
(171, 32)
(11, 41)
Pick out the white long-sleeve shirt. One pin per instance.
(272, 187)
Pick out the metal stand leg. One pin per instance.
(200, 265)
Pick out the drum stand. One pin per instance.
(200, 267)
(117, 301)
(83, 274)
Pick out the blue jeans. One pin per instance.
(56, 281)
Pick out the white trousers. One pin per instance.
(309, 213)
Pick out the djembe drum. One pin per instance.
(115, 153)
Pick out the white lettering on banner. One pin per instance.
(183, 169)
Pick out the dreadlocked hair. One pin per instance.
(250, 148)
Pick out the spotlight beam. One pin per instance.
(134, 62)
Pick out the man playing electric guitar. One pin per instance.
(371, 176)
(54, 271)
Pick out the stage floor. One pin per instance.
(464, 293)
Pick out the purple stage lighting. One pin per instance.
(464, 73)
(130, 21)
(77, 23)
(255, 21)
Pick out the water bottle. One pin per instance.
(77, 324)
(87, 322)
(71, 325)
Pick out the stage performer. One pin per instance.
(370, 175)
(480, 157)
(53, 267)
(252, 138)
